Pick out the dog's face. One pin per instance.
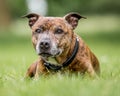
(51, 36)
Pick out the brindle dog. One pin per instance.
(53, 37)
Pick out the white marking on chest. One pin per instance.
(52, 60)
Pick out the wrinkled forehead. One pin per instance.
(50, 22)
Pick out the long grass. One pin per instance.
(17, 53)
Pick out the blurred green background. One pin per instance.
(101, 32)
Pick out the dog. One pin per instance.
(58, 47)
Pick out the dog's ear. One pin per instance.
(73, 18)
(32, 18)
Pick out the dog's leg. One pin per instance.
(90, 70)
(36, 69)
(31, 70)
(40, 69)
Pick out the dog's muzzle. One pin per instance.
(45, 48)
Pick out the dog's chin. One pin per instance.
(45, 55)
(48, 54)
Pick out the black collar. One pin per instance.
(67, 62)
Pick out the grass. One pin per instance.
(17, 53)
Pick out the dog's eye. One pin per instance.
(59, 31)
(38, 30)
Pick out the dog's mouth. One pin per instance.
(48, 54)
(45, 54)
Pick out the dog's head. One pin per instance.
(51, 36)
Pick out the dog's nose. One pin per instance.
(45, 45)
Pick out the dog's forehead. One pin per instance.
(51, 21)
